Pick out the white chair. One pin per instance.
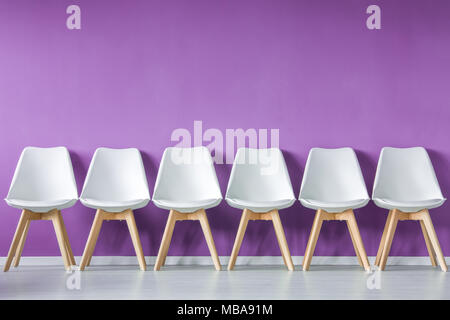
(115, 185)
(406, 185)
(260, 185)
(333, 185)
(186, 185)
(43, 185)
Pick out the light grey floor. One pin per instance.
(245, 282)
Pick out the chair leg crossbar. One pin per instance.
(101, 216)
(347, 216)
(20, 236)
(429, 234)
(273, 216)
(175, 216)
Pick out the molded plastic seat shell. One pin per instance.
(405, 180)
(43, 180)
(115, 181)
(259, 181)
(333, 181)
(186, 180)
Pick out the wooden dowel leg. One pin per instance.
(239, 237)
(92, 239)
(315, 231)
(428, 243)
(353, 226)
(209, 239)
(16, 239)
(393, 220)
(383, 239)
(434, 240)
(282, 255)
(88, 263)
(66, 241)
(354, 244)
(61, 239)
(21, 244)
(282, 239)
(165, 242)
(177, 216)
(136, 240)
(163, 263)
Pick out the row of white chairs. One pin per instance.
(186, 185)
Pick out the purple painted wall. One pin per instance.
(140, 69)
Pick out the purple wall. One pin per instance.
(140, 69)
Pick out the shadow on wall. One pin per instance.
(145, 220)
(370, 219)
(78, 219)
(441, 165)
(297, 220)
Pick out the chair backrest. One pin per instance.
(405, 174)
(43, 174)
(116, 174)
(186, 174)
(259, 175)
(333, 175)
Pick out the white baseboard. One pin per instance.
(206, 260)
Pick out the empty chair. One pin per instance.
(333, 185)
(406, 185)
(43, 185)
(260, 185)
(186, 185)
(115, 185)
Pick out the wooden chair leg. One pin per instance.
(163, 263)
(383, 239)
(67, 242)
(88, 263)
(239, 237)
(354, 244)
(354, 230)
(16, 239)
(92, 239)
(209, 239)
(166, 251)
(282, 255)
(61, 239)
(165, 242)
(393, 220)
(428, 243)
(434, 240)
(21, 244)
(136, 240)
(282, 240)
(315, 231)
